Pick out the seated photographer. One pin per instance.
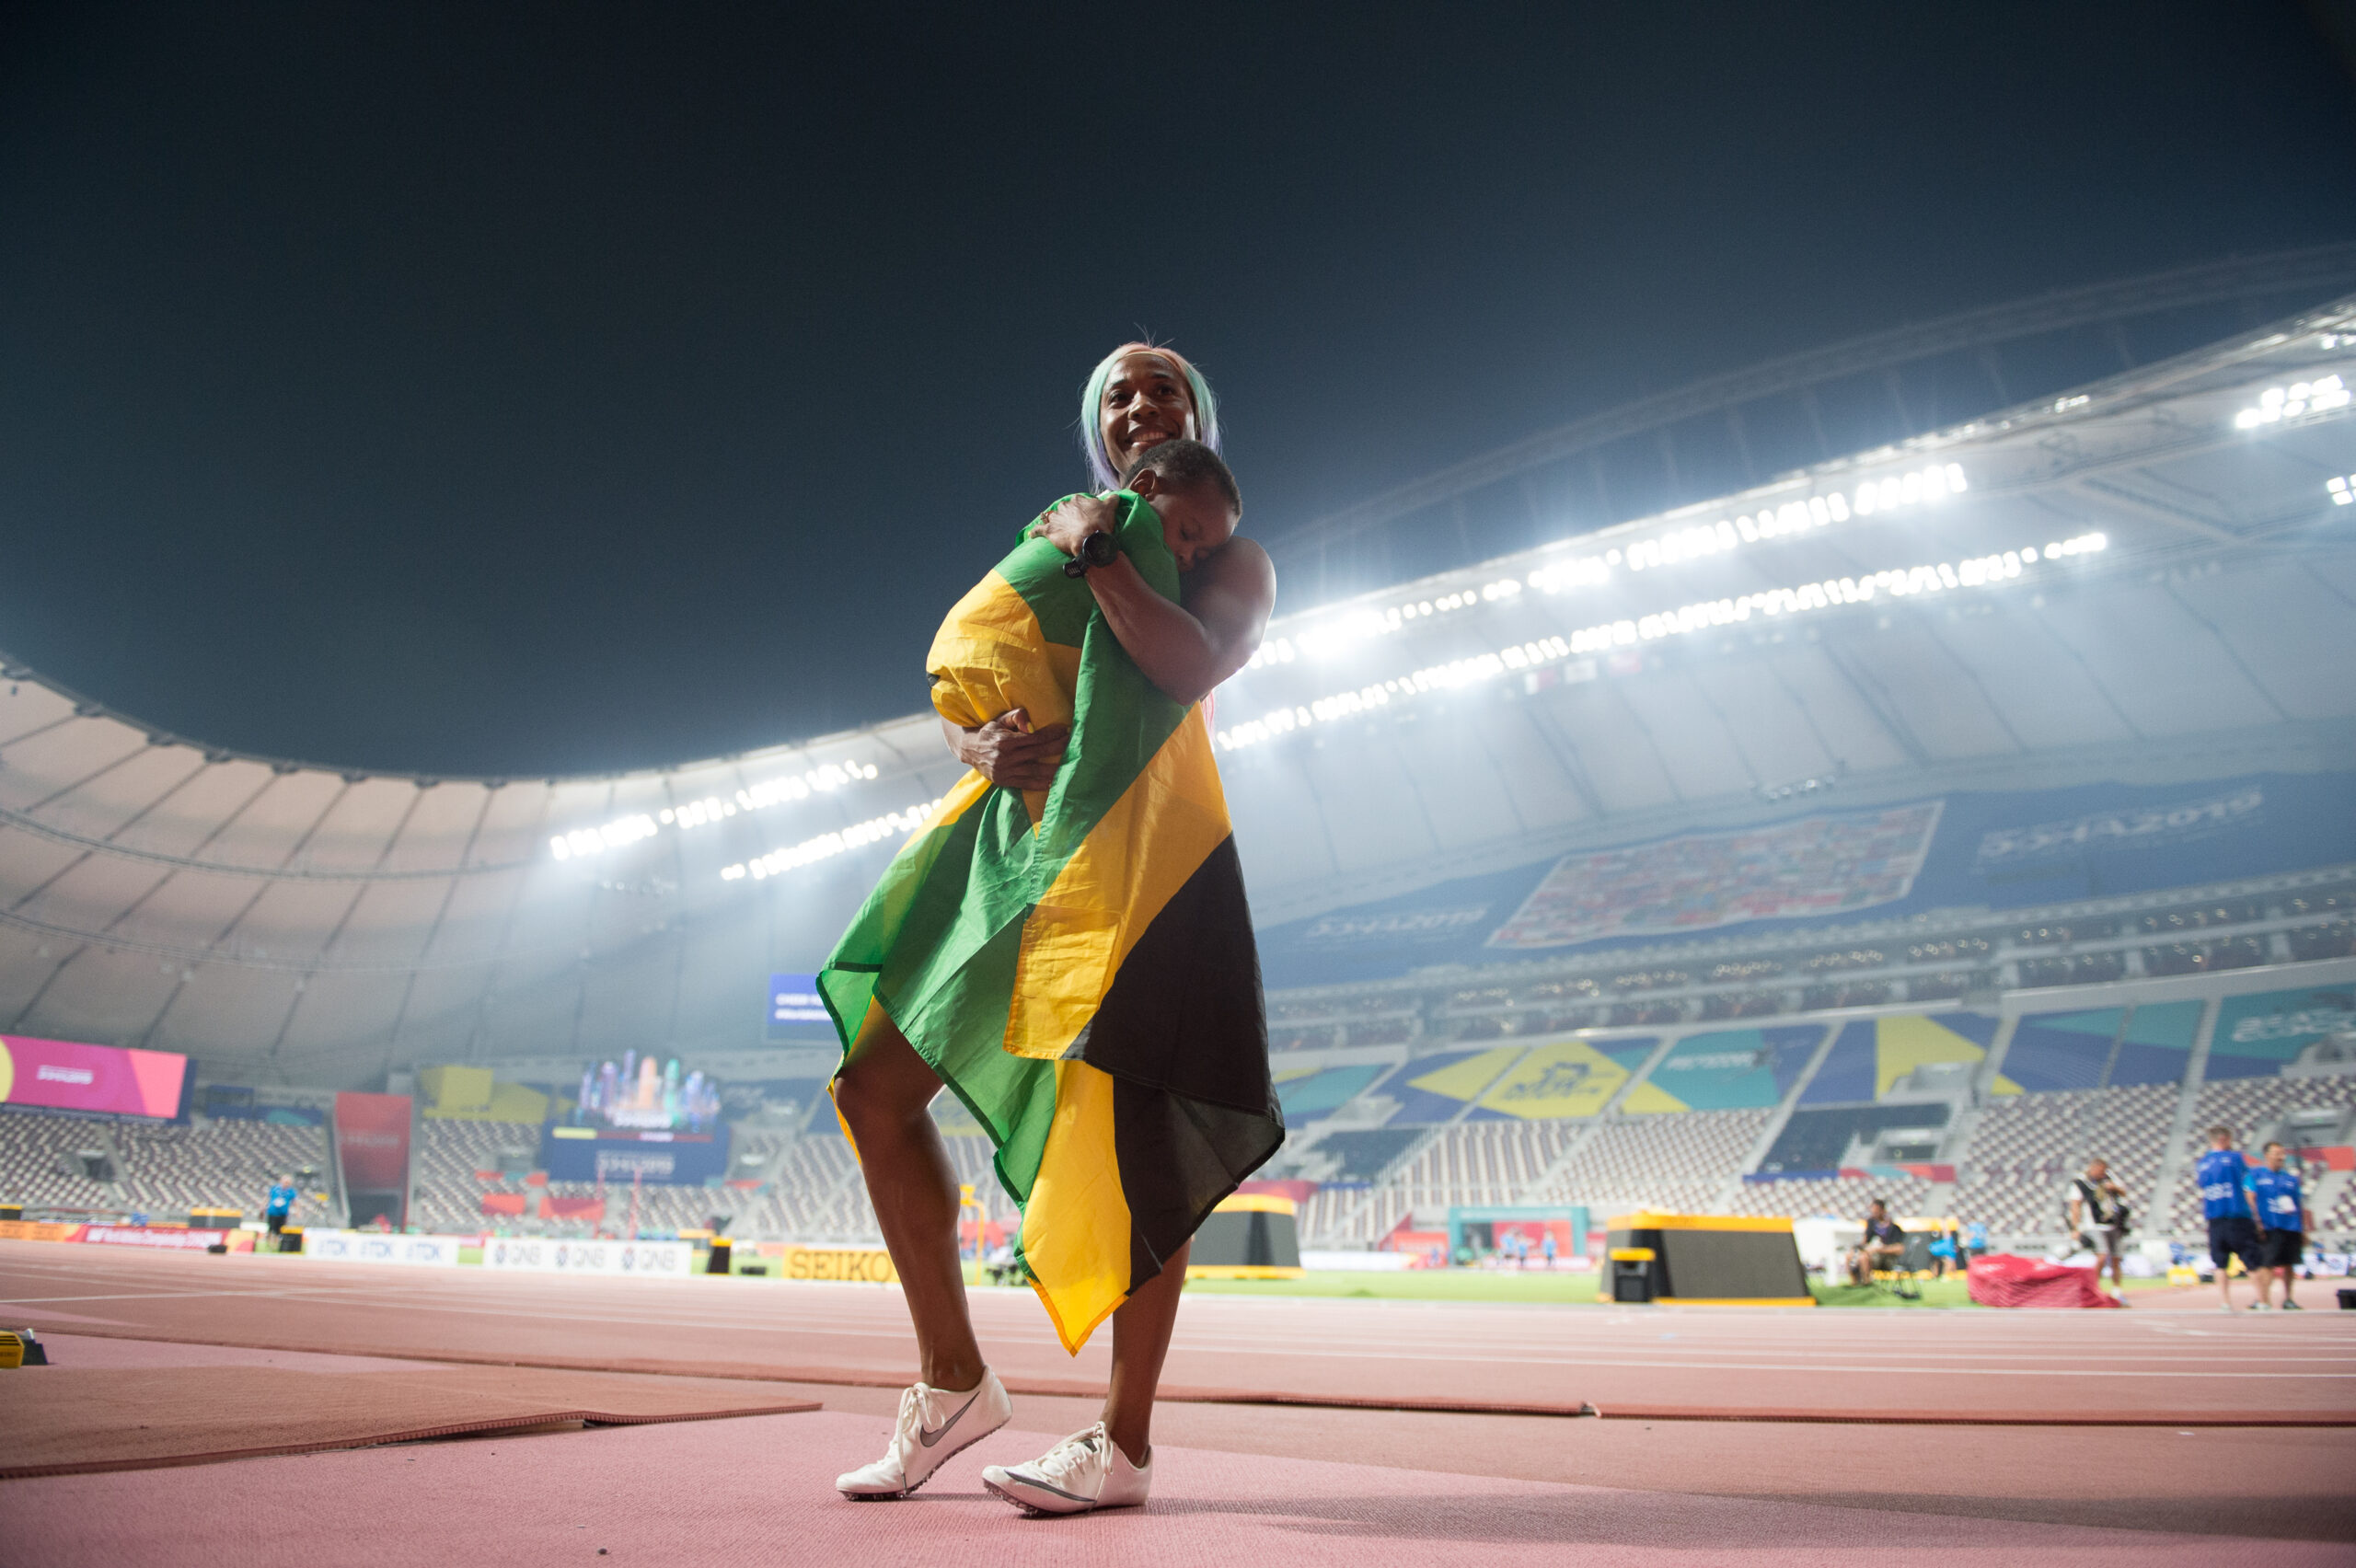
(1883, 1247)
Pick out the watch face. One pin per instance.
(1098, 549)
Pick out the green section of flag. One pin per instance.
(937, 941)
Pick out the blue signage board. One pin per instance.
(616, 1156)
(795, 1011)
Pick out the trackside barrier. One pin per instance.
(167, 1239)
(378, 1247)
(873, 1265)
(670, 1260)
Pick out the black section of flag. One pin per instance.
(1178, 1157)
(1184, 1035)
(1185, 1013)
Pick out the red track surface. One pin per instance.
(2153, 1364)
(1321, 1483)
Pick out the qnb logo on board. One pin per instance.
(52, 1073)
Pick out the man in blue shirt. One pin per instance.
(2222, 1176)
(280, 1204)
(2281, 1224)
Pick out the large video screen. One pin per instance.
(58, 1075)
(646, 1094)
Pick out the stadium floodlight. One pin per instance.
(1786, 520)
(585, 841)
(690, 814)
(2342, 489)
(1979, 571)
(2300, 399)
(828, 844)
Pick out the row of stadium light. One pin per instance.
(1792, 519)
(2341, 488)
(583, 842)
(1980, 571)
(2300, 399)
(828, 844)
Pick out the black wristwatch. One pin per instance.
(1096, 550)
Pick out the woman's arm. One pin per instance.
(1184, 649)
(1007, 751)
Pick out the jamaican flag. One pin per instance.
(1077, 964)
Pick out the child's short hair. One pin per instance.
(1183, 464)
(2221, 1133)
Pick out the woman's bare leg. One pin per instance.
(1141, 1328)
(884, 1094)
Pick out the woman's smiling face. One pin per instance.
(1145, 403)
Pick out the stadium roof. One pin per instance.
(2150, 576)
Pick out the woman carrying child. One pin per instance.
(1065, 945)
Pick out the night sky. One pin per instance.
(532, 389)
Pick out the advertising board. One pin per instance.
(58, 1075)
(672, 1259)
(166, 1239)
(870, 1264)
(382, 1247)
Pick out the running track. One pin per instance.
(2170, 1361)
(1312, 1483)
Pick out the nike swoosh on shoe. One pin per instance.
(932, 1437)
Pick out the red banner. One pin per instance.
(591, 1209)
(372, 1142)
(503, 1202)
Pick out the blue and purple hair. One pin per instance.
(1092, 410)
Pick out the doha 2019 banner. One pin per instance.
(57, 1074)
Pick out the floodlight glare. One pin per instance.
(827, 844)
(2300, 399)
(692, 814)
(1980, 571)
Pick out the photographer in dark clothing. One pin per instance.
(1883, 1247)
